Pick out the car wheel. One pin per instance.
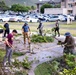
(47, 20)
(58, 19)
(30, 20)
(18, 20)
(37, 20)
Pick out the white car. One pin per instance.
(4, 18)
(72, 17)
(16, 19)
(57, 17)
(30, 19)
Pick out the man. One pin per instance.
(40, 27)
(69, 43)
(57, 28)
(9, 43)
(7, 30)
(25, 31)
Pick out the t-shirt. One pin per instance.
(25, 28)
(9, 37)
(6, 25)
(57, 24)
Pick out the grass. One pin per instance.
(62, 31)
(73, 25)
(47, 26)
(43, 69)
(2, 54)
(57, 65)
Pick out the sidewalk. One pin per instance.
(43, 52)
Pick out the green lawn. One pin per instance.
(47, 26)
(73, 25)
(43, 69)
(58, 66)
(2, 54)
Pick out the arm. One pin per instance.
(22, 29)
(29, 29)
(7, 43)
(72, 43)
(64, 41)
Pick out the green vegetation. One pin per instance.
(41, 39)
(47, 5)
(47, 25)
(15, 7)
(25, 64)
(3, 6)
(19, 8)
(2, 54)
(20, 73)
(65, 65)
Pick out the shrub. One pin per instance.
(41, 39)
(26, 64)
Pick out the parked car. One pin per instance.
(57, 17)
(30, 19)
(16, 19)
(4, 18)
(72, 17)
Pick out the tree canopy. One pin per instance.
(3, 6)
(47, 5)
(19, 8)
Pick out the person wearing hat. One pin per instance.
(25, 31)
(69, 43)
(40, 27)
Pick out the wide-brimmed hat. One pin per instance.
(67, 34)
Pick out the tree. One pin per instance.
(57, 6)
(45, 6)
(3, 6)
(48, 6)
(32, 7)
(19, 8)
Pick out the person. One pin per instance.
(40, 27)
(9, 44)
(57, 28)
(69, 44)
(25, 31)
(7, 30)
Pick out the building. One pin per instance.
(70, 5)
(55, 11)
(67, 6)
(40, 3)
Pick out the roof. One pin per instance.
(49, 1)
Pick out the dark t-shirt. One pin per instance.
(9, 37)
(6, 25)
(25, 28)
